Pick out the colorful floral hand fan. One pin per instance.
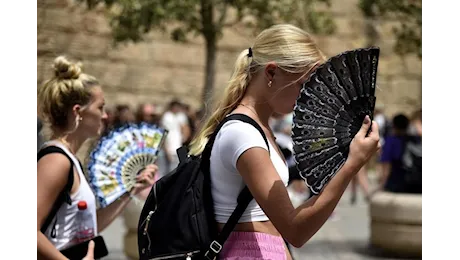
(120, 156)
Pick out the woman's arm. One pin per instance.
(299, 225)
(105, 216)
(52, 176)
(295, 225)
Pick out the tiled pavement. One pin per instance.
(343, 237)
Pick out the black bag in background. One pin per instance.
(177, 221)
(411, 164)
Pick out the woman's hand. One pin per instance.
(145, 179)
(362, 147)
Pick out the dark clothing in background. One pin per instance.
(393, 152)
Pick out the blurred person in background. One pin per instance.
(382, 121)
(190, 127)
(392, 178)
(147, 113)
(362, 180)
(415, 127)
(151, 114)
(175, 121)
(73, 104)
(123, 115)
(412, 156)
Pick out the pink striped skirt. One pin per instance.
(253, 246)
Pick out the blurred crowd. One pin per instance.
(177, 117)
(397, 135)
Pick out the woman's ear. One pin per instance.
(270, 70)
(76, 110)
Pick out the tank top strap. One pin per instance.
(75, 160)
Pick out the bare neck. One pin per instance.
(72, 141)
(255, 100)
(261, 110)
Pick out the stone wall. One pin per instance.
(158, 69)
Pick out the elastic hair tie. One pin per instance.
(250, 52)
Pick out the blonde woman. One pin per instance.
(266, 79)
(73, 104)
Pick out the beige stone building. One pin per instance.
(158, 69)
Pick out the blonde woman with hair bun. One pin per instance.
(267, 78)
(72, 103)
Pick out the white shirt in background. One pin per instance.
(173, 124)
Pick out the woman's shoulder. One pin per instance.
(238, 131)
(236, 137)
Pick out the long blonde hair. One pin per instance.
(291, 48)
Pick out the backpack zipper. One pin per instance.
(188, 256)
(149, 216)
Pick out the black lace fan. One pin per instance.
(329, 112)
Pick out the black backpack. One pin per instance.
(177, 220)
(411, 163)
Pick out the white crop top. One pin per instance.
(234, 138)
(65, 219)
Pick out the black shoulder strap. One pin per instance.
(64, 196)
(245, 196)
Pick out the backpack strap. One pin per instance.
(245, 196)
(64, 195)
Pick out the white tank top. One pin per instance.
(64, 222)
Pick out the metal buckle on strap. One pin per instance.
(215, 247)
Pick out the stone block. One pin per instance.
(413, 65)
(41, 16)
(130, 52)
(63, 20)
(154, 79)
(349, 7)
(84, 45)
(50, 41)
(407, 88)
(113, 74)
(177, 54)
(391, 65)
(226, 61)
(44, 69)
(385, 28)
(396, 223)
(350, 26)
(235, 39)
(96, 23)
(336, 44)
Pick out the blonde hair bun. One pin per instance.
(64, 69)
